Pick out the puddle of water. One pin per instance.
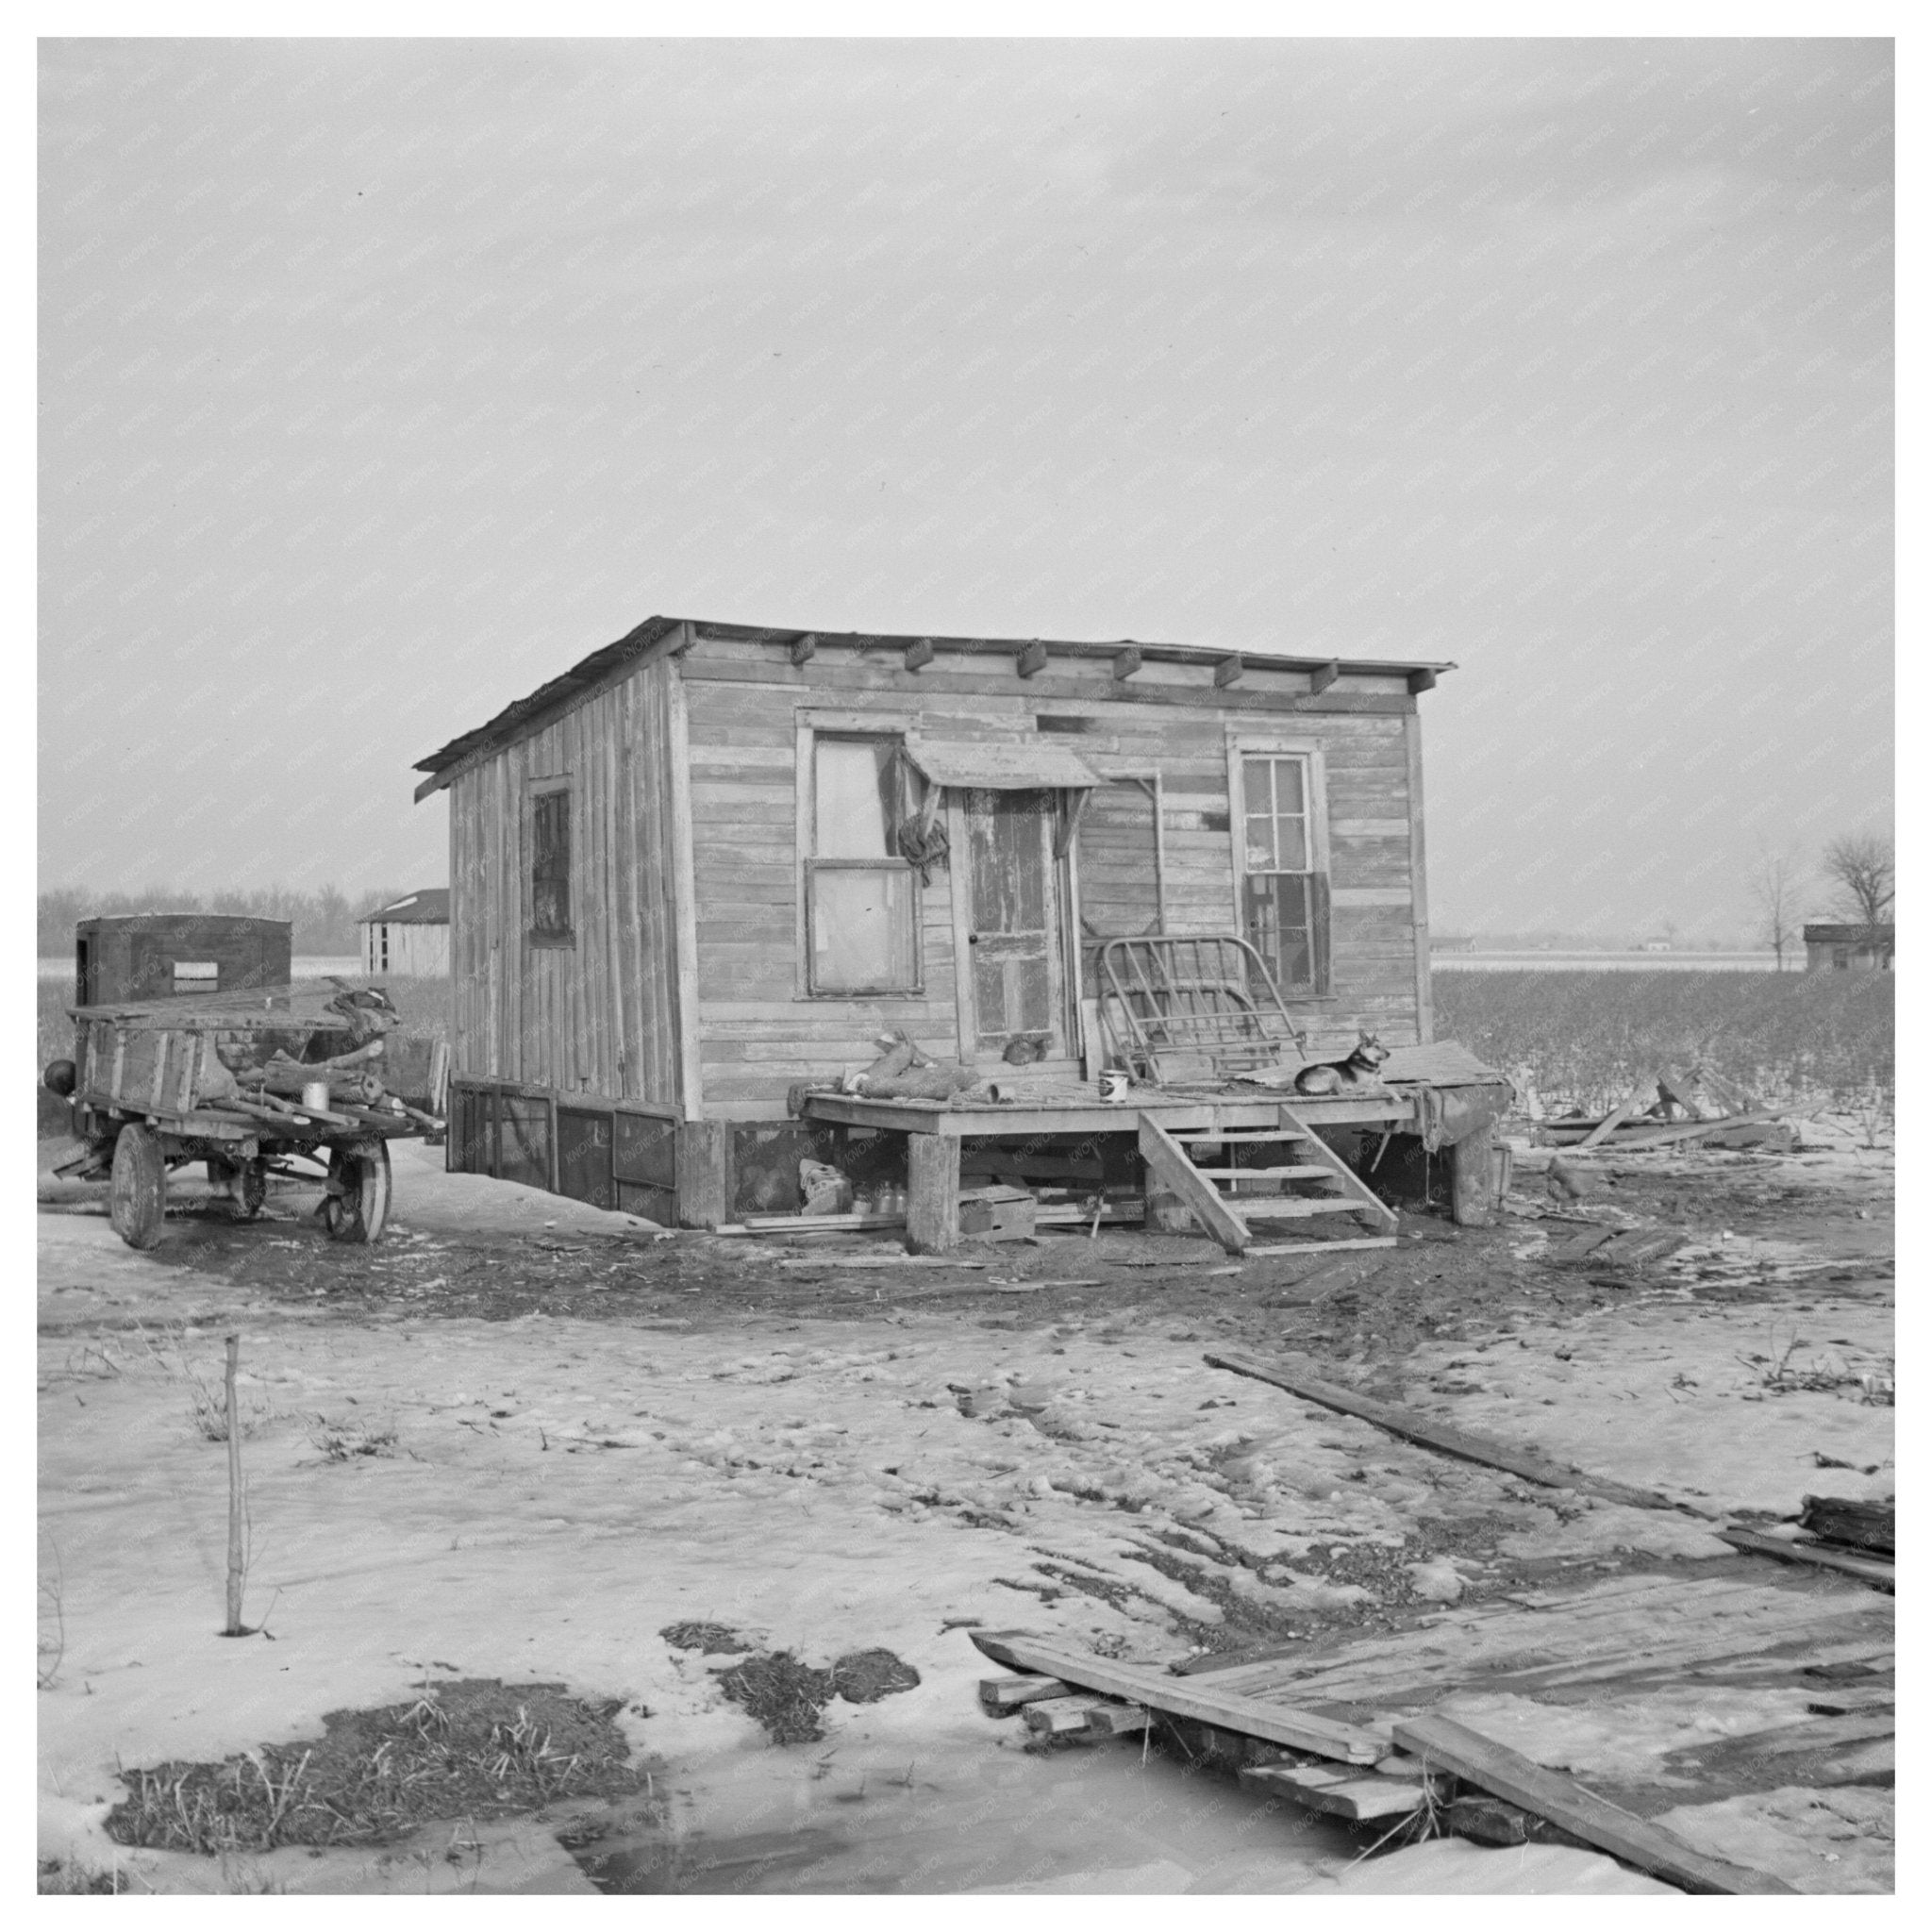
(1099, 1820)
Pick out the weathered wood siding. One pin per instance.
(598, 1016)
(1120, 867)
(744, 701)
(757, 1032)
(412, 951)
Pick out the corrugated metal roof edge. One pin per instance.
(635, 643)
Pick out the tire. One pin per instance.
(138, 1187)
(357, 1204)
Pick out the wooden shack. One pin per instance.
(408, 937)
(1849, 948)
(712, 861)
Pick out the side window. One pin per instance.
(862, 896)
(550, 873)
(1284, 893)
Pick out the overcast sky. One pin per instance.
(382, 381)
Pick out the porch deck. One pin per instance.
(1062, 1106)
(1074, 1108)
(1242, 1116)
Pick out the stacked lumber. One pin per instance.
(1353, 1728)
(1430, 1771)
(1056, 1711)
(1362, 1797)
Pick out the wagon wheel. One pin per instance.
(138, 1187)
(357, 1203)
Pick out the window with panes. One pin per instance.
(1284, 889)
(862, 894)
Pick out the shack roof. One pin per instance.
(592, 670)
(1883, 934)
(429, 906)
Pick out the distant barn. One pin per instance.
(407, 937)
(1848, 948)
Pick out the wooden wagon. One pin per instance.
(246, 1083)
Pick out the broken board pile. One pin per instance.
(1400, 1728)
(1673, 1105)
(1701, 1693)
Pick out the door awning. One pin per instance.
(1041, 766)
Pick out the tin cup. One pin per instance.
(1113, 1085)
(315, 1095)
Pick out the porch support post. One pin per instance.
(1471, 1178)
(703, 1162)
(932, 1218)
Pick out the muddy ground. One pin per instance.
(585, 1430)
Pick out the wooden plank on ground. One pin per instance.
(999, 1696)
(1853, 1699)
(1567, 1805)
(1635, 1247)
(1825, 1734)
(1869, 1569)
(1580, 1245)
(1844, 1750)
(1056, 1715)
(1110, 1719)
(1413, 1669)
(1181, 1698)
(1868, 1764)
(1870, 1527)
(1613, 1120)
(1339, 1796)
(1634, 1140)
(1367, 1240)
(824, 1262)
(1450, 1442)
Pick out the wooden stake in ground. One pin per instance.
(236, 1565)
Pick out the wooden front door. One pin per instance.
(1012, 935)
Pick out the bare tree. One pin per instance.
(1776, 884)
(1859, 867)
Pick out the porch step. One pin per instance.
(1213, 1196)
(1288, 1207)
(1264, 1174)
(1168, 1166)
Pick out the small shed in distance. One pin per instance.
(1849, 948)
(408, 937)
